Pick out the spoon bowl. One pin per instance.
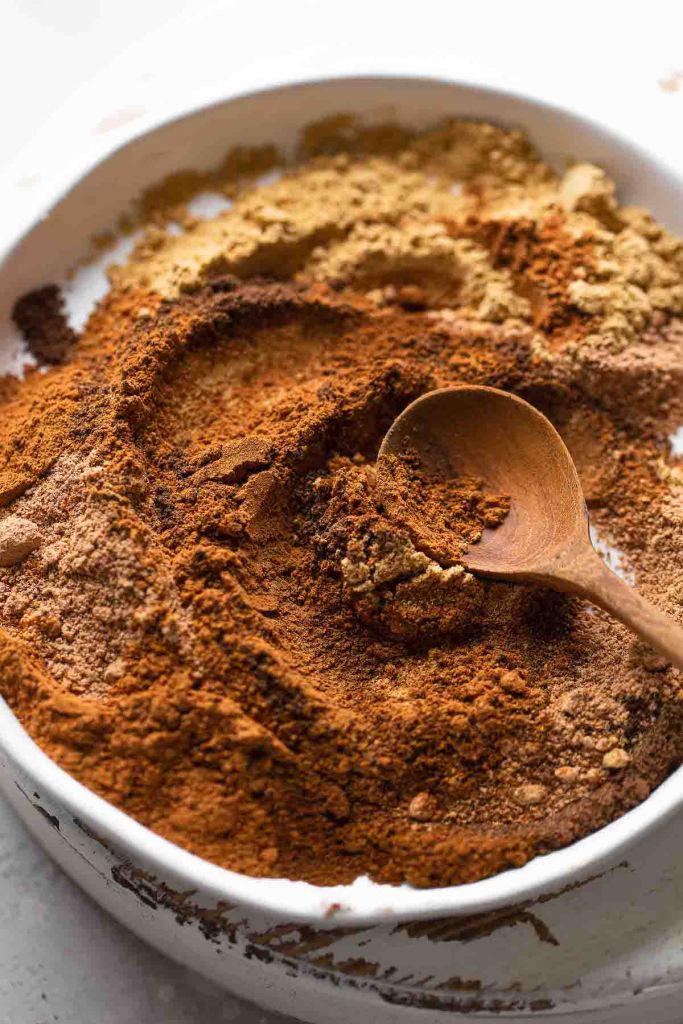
(502, 440)
(514, 449)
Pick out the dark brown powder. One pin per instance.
(40, 317)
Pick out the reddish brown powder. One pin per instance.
(444, 512)
(209, 614)
(544, 259)
(191, 638)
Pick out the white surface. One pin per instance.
(79, 75)
(62, 959)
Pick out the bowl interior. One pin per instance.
(89, 203)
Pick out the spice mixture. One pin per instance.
(209, 617)
(445, 512)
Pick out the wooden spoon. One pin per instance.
(502, 440)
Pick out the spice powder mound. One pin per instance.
(209, 617)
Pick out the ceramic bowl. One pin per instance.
(316, 952)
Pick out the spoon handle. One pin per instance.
(589, 577)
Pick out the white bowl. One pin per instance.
(184, 905)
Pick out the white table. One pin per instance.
(77, 77)
(62, 959)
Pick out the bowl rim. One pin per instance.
(363, 902)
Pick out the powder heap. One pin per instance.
(208, 614)
(445, 511)
(389, 581)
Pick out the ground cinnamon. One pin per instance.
(445, 512)
(213, 621)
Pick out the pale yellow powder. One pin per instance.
(373, 223)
